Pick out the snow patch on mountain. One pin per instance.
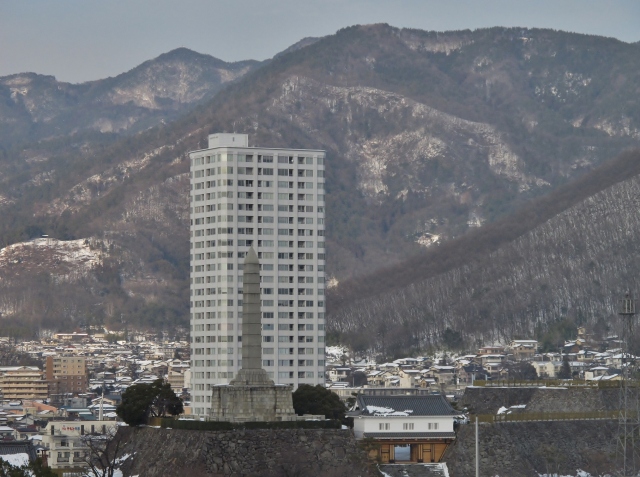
(65, 260)
(423, 135)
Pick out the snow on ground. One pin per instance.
(427, 239)
(579, 473)
(439, 468)
(116, 473)
(122, 458)
(335, 352)
(504, 410)
(68, 259)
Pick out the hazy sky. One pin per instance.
(80, 40)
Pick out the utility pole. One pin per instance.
(100, 412)
(477, 451)
(629, 406)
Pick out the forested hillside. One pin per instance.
(517, 278)
(428, 136)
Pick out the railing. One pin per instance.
(62, 459)
(550, 383)
(544, 416)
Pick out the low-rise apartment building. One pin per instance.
(67, 374)
(23, 382)
(66, 441)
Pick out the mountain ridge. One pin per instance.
(428, 135)
(158, 89)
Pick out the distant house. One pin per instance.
(376, 378)
(523, 350)
(586, 355)
(423, 423)
(392, 381)
(598, 373)
(339, 374)
(618, 360)
(409, 378)
(491, 358)
(72, 336)
(573, 346)
(7, 432)
(545, 369)
(491, 350)
(442, 374)
(469, 373)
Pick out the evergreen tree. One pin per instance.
(142, 401)
(317, 399)
(565, 370)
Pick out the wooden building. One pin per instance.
(405, 428)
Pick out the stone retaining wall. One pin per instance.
(487, 400)
(523, 449)
(251, 453)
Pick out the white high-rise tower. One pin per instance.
(273, 200)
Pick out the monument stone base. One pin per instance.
(245, 403)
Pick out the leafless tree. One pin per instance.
(103, 452)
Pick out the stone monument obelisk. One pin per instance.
(251, 372)
(251, 395)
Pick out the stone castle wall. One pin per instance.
(487, 400)
(251, 453)
(523, 449)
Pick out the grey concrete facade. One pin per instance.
(271, 199)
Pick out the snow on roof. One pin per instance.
(604, 377)
(387, 411)
(19, 460)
